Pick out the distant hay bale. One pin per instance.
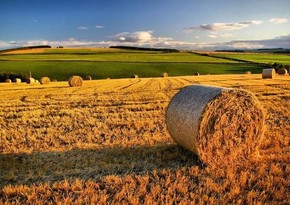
(8, 81)
(54, 80)
(268, 73)
(164, 75)
(134, 76)
(222, 126)
(248, 72)
(44, 80)
(88, 77)
(17, 80)
(197, 73)
(282, 71)
(30, 80)
(75, 81)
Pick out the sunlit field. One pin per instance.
(267, 58)
(107, 143)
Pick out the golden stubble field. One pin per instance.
(107, 143)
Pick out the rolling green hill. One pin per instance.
(121, 63)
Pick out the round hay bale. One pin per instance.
(134, 76)
(221, 126)
(197, 73)
(75, 81)
(248, 72)
(17, 80)
(30, 80)
(164, 75)
(268, 73)
(44, 80)
(54, 80)
(282, 71)
(8, 81)
(88, 77)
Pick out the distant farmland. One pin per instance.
(267, 58)
(118, 63)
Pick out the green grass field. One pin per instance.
(267, 58)
(60, 64)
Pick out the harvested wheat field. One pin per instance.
(107, 143)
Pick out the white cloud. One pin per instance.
(212, 36)
(138, 36)
(244, 45)
(277, 42)
(278, 20)
(4, 44)
(35, 42)
(226, 35)
(99, 27)
(82, 28)
(223, 26)
(222, 35)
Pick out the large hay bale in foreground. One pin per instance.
(30, 80)
(17, 80)
(282, 71)
(164, 75)
(8, 81)
(222, 126)
(88, 77)
(75, 81)
(44, 80)
(268, 73)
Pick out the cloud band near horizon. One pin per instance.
(223, 26)
(147, 39)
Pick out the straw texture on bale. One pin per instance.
(134, 76)
(268, 73)
(30, 80)
(282, 71)
(17, 80)
(44, 80)
(222, 126)
(75, 81)
(8, 81)
(164, 75)
(88, 77)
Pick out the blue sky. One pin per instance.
(187, 24)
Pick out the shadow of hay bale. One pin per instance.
(86, 164)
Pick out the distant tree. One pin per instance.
(277, 66)
(10, 75)
(287, 67)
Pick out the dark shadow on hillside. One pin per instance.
(27, 169)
